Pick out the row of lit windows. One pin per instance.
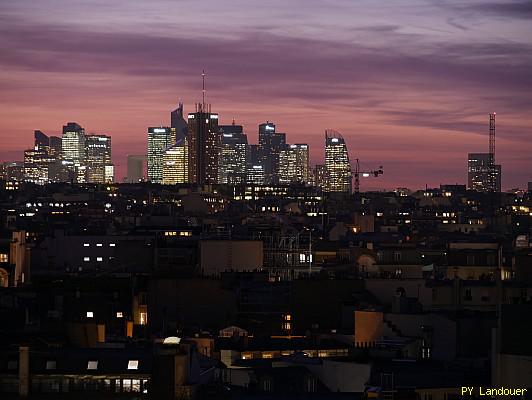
(174, 233)
(119, 314)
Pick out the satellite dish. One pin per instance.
(172, 340)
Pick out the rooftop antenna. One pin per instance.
(203, 88)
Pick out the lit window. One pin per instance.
(86, 244)
(99, 245)
(86, 258)
(133, 364)
(92, 365)
(90, 314)
(112, 244)
(3, 257)
(51, 364)
(119, 314)
(143, 318)
(99, 258)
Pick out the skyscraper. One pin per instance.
(482, 175)
(294, 164)
(233, 154)
(337, 167)
(37, 161)
(270, 145)
(73, 143)
(175, 163)
(159, 139)
(177, 121)
(204, 141)
(98, 159)
(320, 176)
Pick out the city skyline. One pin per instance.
(411, 92)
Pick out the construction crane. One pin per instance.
(365, 174)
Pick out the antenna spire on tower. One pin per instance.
(203, 88)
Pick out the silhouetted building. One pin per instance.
(136, 168)
(203, 145)
(233, 154)
(270, 145)
(177, 121)
(482, 176)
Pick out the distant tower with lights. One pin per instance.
(338, 175)
(483, 174)
(204, 141)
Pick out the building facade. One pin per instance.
(175, 164)
(270, 145)
(159, 139)
(338, 175)
(98, 159)
(482, 174)
(294, 164)
(203, 145)
(233, 154)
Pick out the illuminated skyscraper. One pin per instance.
(255, 175)
(293, 164)
(37, 161)
(175, 163)
(233, 154)
(337, 167)
(270, 145)
(98, 159)
(73, 143)
(159, 139)
(204, 141)
(482, 174)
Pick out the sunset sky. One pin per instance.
(408, 83)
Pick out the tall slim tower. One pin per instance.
(203, 143)
(483, 174)
(337, 168)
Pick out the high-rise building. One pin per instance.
(136, 168)
(73, 152)
(233, 154)
(337, 167)
(175, 163)
(482, 175)
(255, 175)
(159, 139)
(320, 176)
(98, 159)
(270, 145)
(73, 143)
(37, 161)
(177, 121)
(204, 141)
(294, 164)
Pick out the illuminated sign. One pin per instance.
(159, 130)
